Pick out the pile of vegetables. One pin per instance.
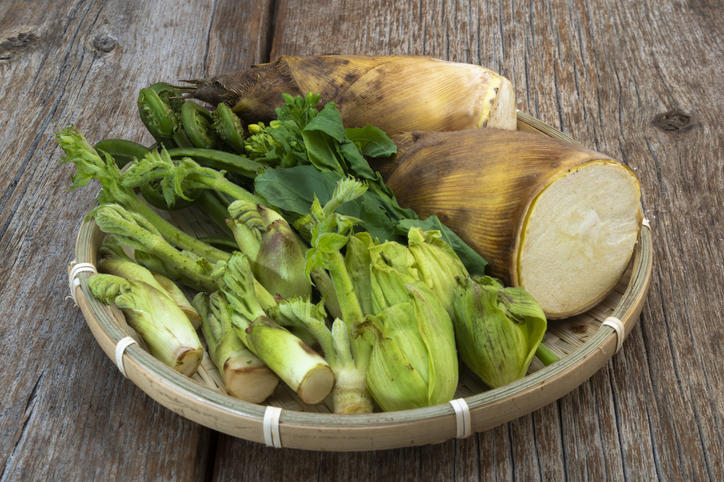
(317, 276)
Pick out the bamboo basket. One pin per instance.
(583, 343)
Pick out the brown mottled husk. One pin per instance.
(258, 88)
(394, 93)
(480, 183)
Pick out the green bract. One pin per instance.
(392, 268)
(437, 264)
(414, 362)
(498, 329)
(357, 260)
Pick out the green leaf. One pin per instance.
(298, 109)
(328, 121)
(331, 242)
(372, 141)
(321, 151)
(292, 189)
(356, 163)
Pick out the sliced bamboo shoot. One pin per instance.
(556, 219)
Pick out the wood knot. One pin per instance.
(19, 41)
(104, 43)
(12, 45)
(673, 120)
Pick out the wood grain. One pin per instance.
(67, 414)
(600, 70)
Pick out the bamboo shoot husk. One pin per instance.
(556, 219)
(394, 93)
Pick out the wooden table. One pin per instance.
(639, 80)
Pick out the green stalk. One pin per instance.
(300, 367)
(116, 262)
(245, 376)
(219, 160)
(90, 165)
(324, 285)
(121, 150)
(215, 209)
(179, 177)
(173, 234)
(219, 183)
(133, 230)
(306, 316)
(352, 314)
(179, 297)
(545, 355)
(349, 394)
(348, 302)
(162, 325)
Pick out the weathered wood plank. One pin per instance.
(67, 414)
(239, 35)
(601, 71)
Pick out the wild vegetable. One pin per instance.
(349, 394)
(350, 349)
(91, 166)
(245, 376)
(414, 359)
(134, 230)
(121, 150)
(557, 220)
(436, 263)
(275, 251)
(116, 262)
(394, 335)
(229, 128)
(396, 94)
(305, 223)
(300, 367)
(498, 330)
(155, 316)
(177, 178)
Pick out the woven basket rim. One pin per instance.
(561, 377)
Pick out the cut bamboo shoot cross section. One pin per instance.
(556, 219)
